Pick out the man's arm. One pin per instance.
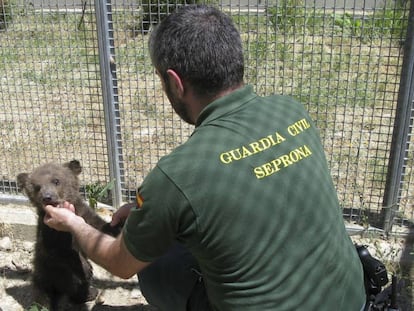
(107, 251)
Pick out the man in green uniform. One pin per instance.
(244, 215)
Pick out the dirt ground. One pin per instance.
(124, 295)
(15, 290)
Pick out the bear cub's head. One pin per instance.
(51, 184)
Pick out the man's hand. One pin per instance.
(105, 250)
(62, 218)
(119, 217)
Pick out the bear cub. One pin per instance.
(60, 268)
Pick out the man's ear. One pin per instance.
(176, 82)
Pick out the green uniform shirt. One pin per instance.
(251, 196)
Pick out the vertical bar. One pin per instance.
(400, 140)
(103, 11)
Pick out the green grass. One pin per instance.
(343, 66)
(292, 17)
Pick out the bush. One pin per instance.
(153, 11)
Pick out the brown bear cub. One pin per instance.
(59, 267)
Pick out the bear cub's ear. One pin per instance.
(74, 166)
(22, 180)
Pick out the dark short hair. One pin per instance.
(202, 45)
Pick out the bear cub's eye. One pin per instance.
(36, 188)
(56, 182)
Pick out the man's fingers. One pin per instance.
(122, 213)
(68, 206)
(115, 220)
(48, 208)
(57, 217)
(47, 218)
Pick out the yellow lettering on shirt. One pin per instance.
(267, 142)
(298, 127)
(281, 162)
(252, 148)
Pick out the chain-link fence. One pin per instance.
(77, 82)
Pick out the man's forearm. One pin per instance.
(105, 250)
(95, 244)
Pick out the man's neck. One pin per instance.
(198, 104)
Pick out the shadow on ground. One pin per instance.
(22, 294)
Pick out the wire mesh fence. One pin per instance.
(51, 105)
(342, 60)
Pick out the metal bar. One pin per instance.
(401, 134)
(109, 84)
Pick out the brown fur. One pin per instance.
(59, 267)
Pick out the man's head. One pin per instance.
(201, 45)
